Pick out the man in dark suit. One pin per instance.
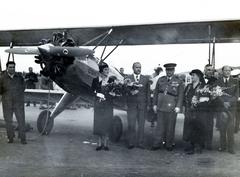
(12, 90)
(137, 103)
(209, 120)
(227, 109)
(167, 101)
(237, 120)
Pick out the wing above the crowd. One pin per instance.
(150, 34)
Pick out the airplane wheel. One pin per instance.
(45, 127)
(117, 129)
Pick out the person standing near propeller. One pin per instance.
(103, 108)
(12, 88)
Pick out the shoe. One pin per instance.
(140, 146)
(106, 148)
(98, 148)
(209, 147)
(221, 149)
(27, 105)
(169, 148)
(154, 148)
(231, 151)
(130, 146)
(190, 152)
(23, 142)
(10, 141)
(199, 150)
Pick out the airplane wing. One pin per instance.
(43, 95)
(169, 33)
(53, 96)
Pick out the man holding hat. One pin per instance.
(167, 101)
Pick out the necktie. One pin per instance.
(137, 78)
(226, 82)
(168, 79)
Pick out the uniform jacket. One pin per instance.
(142, 98)
(168, 94)
(12, 89)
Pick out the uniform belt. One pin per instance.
(168, 93)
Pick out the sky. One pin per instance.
(33, 14)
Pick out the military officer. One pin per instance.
(167, 101)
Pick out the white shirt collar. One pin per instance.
(135, 76)
(10, 75)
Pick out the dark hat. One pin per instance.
(170, 66)
(198, 72)
(158, 68)
(102, 66)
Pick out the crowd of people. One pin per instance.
(206, 98)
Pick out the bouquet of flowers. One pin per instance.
(206, 94)
(122, 87)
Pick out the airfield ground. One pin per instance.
(69, 151)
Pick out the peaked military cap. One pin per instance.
(170, 65)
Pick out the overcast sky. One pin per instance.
(28, 14)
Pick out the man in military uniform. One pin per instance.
(12, 90)
(167, 101)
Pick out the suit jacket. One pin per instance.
(142, 98)
(232, 89)
(168, 94)
(12, 91)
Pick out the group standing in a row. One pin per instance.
(169, 97)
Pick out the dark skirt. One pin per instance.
(194, 127)
(103, 116)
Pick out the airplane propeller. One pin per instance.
(49, 49)
(23, 51)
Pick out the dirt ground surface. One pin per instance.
(69, 151)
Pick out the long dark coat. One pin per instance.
(194, 123)
(103, 111)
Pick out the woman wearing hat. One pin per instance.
(103, 108)
(193, 131)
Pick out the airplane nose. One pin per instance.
(45, 49)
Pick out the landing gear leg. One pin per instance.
(45, 122)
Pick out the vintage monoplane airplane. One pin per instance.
(74, 68)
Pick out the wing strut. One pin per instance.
(209, 44)
(97, 37)
(109, 32)
(119, 43)
(9, 55)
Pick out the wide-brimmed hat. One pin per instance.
(197, 72)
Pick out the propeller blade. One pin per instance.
(69, 51)
(23, 51)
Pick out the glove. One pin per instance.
(177, 109)
(101, 97)
(155, 108)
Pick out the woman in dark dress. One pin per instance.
(103, 108)
(194, 128)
